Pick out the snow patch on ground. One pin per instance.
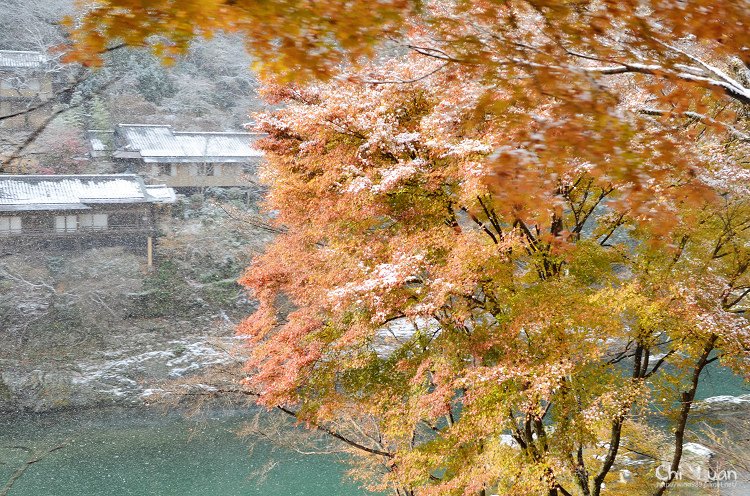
(126, 376)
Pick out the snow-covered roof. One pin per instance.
(159, 143)
(161, 193)
(76, 192)
(18, 59)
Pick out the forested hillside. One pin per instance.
(211, 88)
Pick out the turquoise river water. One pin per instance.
(141, 452)
(144, 452)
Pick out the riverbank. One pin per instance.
(112, 377)
(97, 328)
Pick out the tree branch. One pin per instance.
(31, 461)
(408, 81)
(39, 130)
(687, 402)
(736, 133)
(316, 426)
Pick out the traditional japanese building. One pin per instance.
(25, 82)
(79, 211)
(184, 160)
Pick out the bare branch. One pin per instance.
(31, 461)
(295, 414)
(736, 133)
(408, 81)
(39, 130)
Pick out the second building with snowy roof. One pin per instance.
(184, 160)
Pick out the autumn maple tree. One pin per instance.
(515, 236)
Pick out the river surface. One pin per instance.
(718, 381)
(145, 452)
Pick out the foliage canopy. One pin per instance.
(514, 239)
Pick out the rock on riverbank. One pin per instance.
(110, 378)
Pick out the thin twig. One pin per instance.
(408, 81)
(31, 461)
